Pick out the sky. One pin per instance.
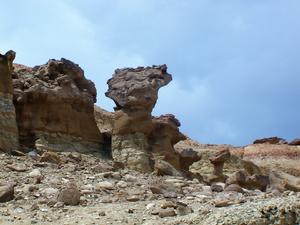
(235, 63)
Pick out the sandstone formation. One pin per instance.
(218, 161)
(135, 134)
(8, 126)
(164, 136)
(270, 157)
(55, 108)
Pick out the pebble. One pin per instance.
(102, 213)
(130, 178)
(121, 184)
(133, 198)
(216, 188)
(150, 205)
(104, 185)
(183, 210)
(35, 173)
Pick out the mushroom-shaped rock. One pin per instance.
(8, 125)
(137, 88)
(135, 92)
(218, 161)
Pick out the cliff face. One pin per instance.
(8, 126)
(55, 107)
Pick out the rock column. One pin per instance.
(134, 91)
(8, 126)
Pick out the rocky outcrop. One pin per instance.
(164, 136)
(55, 107)
(135, 92)
(250, 182)
(295, 142)
(270, 140)
(104, 120)
(270, 157)
(8, 126)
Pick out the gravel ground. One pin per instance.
(118, 196)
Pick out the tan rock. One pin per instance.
(69, 195)
(51, 157)
(138, 139)
(167, 213)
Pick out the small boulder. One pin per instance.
(104, 185)
(51, 157)
(169, 212)
(6, 192)
(234, 188)
(69, 195)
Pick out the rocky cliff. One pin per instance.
(55, 108)
(8, 126)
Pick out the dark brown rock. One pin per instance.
(6, 192)
(295, 142)
(270, 140)
(216, 188)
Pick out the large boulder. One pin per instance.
(8, 126)
(135, 92)
(55, 107)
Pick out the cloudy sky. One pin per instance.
(235, 63)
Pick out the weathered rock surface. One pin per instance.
(8, 125)
(162, 139)
(55, 107)
(270, 157)
(135, 92)
(218, 161)
(104, 120)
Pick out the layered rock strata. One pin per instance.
(55, 107)
(8, 126)
(135, 92)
